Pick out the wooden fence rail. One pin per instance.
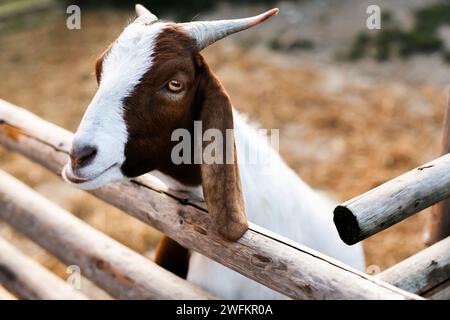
(441, 292)
(285, 266)
(27, 279)
(393, 201)
(425, 273)
(122, 272)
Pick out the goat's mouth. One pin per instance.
(70, 177)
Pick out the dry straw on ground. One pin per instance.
(341, 137)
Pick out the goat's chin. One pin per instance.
(113, 174)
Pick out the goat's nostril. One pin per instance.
(82, 156)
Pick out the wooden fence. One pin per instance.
(281, 264)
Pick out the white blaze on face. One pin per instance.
(103, 124)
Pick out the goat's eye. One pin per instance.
(175, 86)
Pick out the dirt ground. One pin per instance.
(343, 131)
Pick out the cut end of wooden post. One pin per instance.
(346, 225)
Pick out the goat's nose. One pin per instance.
(82, 155)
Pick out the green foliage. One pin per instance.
(359, 47)
(422, 38)
(429, 19)
(301, 44)
(180, 8)
(275, 44)
(446, 56)
(183, 10)
(13, 21)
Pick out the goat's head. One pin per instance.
(152, 80)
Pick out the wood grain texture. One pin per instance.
(281, 264)
(438, 224)
(393, 201)
(423, 272)
(27, 279)
(118, 270)
(441, 292)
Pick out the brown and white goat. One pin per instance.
(152, 81)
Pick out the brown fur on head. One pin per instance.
(152, 112)
(153, 81)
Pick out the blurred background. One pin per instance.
(355, 107)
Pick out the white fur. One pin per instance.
(103, 123)
(278, 200)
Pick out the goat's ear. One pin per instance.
(221, 182)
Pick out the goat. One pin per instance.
(152, 81)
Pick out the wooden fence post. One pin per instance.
(122, 272)
(425, 273)
(281, 264)
(27, 279)
(438, 224)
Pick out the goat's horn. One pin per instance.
(142, 11)
(206, 33)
